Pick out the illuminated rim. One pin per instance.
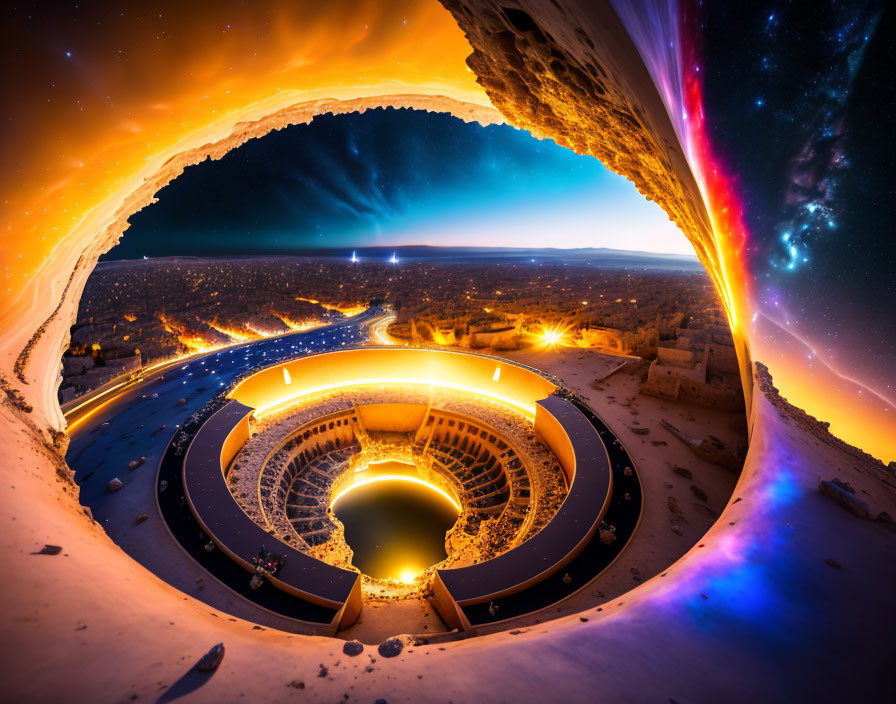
(365, 481)
(285, 402)
(284, 384)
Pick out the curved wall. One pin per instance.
(268, 389)
(568, 433)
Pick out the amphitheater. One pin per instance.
(785, 585)
(526, 469)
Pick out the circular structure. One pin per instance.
(505, 484)
(528, 469)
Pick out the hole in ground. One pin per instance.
(395, 528)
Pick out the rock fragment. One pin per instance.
(114, 484)
(682, 471)
(212, 659)
(390, 647)
(886, 519)
(852, 503)
(49, 550)
(352, 648)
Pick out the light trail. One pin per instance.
(379, 331)
(827, 365)
(141, 375)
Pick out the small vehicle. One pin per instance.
(268, 563)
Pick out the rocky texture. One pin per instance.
(573, 92)
(820, 429)
(710, 448)
(542, 68)
(265, 460)
(49, 550)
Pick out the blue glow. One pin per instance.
(398, 177)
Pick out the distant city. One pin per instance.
(660, 308)
(591, 256)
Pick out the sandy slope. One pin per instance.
(755, 614)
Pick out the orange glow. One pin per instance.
(441, 338)
(193, 343)
(347, 311)
(290, 399)
(552, 337)
(855, 413)
(517, 388)
(365, 480)
(297, 325)
(117, 131)
(408, 575)
(193, 88)
(379, 331)
(241, 334)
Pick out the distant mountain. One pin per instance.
(597, 257)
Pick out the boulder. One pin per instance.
(352, 648)
(212, 659)
(390, 647)
(844, 498)
(886, 519)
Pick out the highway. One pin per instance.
(113, 429)
(379, 334)
(138, 420)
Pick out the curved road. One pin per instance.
(140, 419)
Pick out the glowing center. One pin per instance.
(394, 523)
(408, 575)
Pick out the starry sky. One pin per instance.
(397, 177)
(797, 99)
(802, 101)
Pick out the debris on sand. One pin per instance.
(212, 659)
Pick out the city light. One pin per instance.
(553, 337)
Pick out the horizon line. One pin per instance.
(349, 248)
